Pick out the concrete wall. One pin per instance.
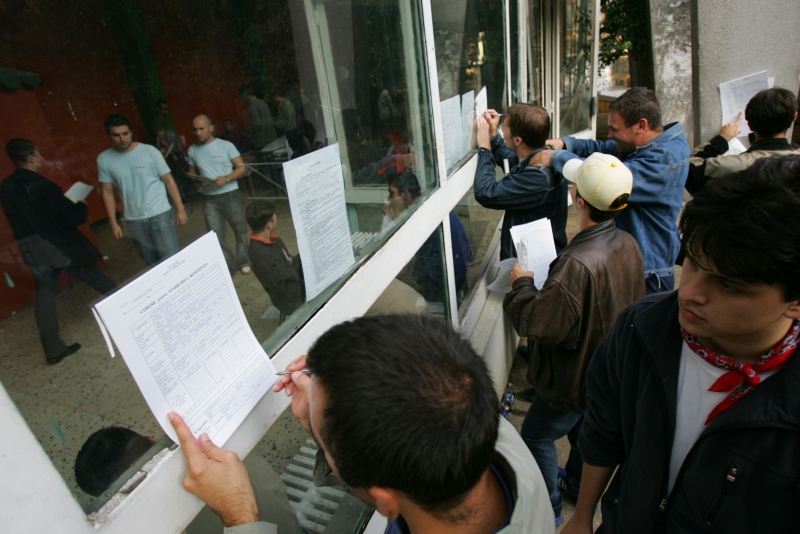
(734, 38)
(671, 28)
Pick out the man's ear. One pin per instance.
(643, 125)
(517, 140)
(793, 311)
(387, 501)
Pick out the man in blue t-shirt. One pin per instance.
(219, 164)
(142, 179)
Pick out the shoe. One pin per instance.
(559, 519)
(246, 269)
(522, 352)
(527, 395)
(563, 487)
(72, 349)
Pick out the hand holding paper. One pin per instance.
(78, 192)
(536, 248)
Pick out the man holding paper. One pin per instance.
(592, 280)
(45, 224)
(527, 192)
(219, 166)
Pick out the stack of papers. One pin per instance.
(536, 250)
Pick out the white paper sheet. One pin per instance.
(507, 263)
(481, 102)
(183, 334)
(202, 178)
(536, 248)
(79, 191)
(451, 130)
(469, 141)
(735, 94)
(735, 147)
(501, 284)
(315, 185)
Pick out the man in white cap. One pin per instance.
(595, 277)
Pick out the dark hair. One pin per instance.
(159, 102)
(106, 455)
(259, 213)
(771, 111)
(245, 90)
(19, 150)
(409, 405)
(744, 225)
(598, 215)
(115, 120)
(638, 103)
(530, 122)
(406, 181)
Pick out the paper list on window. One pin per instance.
(451, 130)
(315, 185)
(536, 248)
(735, 94)
(469, 141)
(481, 102)
(183, 334)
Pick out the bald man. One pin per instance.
(220, 165)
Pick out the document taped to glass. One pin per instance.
(183, 334)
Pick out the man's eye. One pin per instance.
(727, 286)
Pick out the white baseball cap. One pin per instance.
(600, 179)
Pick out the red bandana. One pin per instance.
(742, 377)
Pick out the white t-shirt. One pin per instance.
(137, 176)
(214, 159)
(695, 402)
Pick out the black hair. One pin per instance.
(406, 181)
(245, 90)
(19, 150)
(530, 122)
(638, 103)
(115, 120)
(259, 213)
(106, 455)
(771, 111)
(409, 405)
(159, 102)
(598, 215)
(744, 225)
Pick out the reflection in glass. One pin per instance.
(536, 57)
(268, 82)
(576, 65)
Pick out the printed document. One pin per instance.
(469, 140)
(183, 334)
(536, 248)
(502, 282)
(481, 102)
(451, 130)
(735, 94)
(79, 191)
(315, 184)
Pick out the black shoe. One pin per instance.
(527, 395)
(522, 352)
(564, 487)
(72, 349)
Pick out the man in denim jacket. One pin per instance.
(658, 157)
(527, 193)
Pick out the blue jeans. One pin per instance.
(155, 237)
(228, 207)
(659, 284)
(541, 428)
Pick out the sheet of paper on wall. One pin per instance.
(79, 191)
(481, 102)
(451, 130)
(183, 334)
(315, 185)
(536, 248)
(469, 141)
(735, 94)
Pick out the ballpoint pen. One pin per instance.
(287, 373)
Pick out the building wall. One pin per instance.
(734, 38)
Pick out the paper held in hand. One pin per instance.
(79, 191)
(183, 334)
(203, 178)
(536, 248)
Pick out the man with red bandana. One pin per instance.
(694, 396)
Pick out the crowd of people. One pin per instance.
(681, 407)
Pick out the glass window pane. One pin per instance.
(576, 65)
(226, 91)
(536, 57)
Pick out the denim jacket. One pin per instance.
(527, 193)
(659, 173)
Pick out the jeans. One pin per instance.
(659, 284)
(228, 207)
(541, 428)
(155, 237)
(45, 303)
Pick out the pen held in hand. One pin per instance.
(288, 373)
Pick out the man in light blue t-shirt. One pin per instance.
(142, 178)
(220, 164)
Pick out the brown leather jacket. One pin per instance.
(595, 277)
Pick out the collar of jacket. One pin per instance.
(523, 163)
(605, 227)
(775, 402)
(671, 131)
(771, 143)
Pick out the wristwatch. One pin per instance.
(227, 179)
